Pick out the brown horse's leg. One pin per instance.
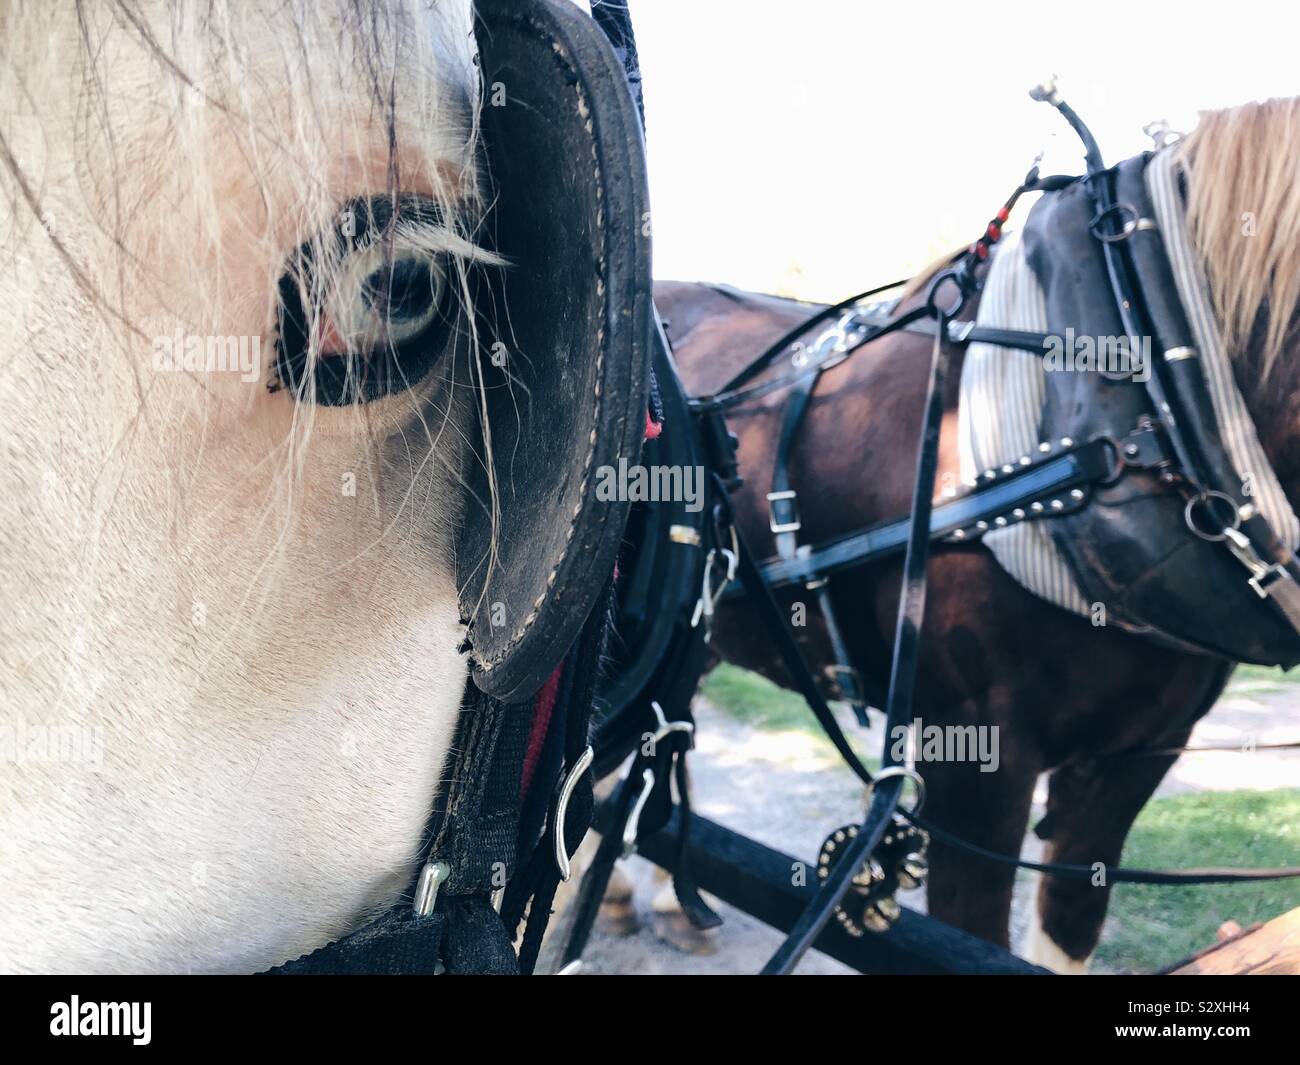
(1092, 806)
(990, 808)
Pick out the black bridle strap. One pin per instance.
(733, 397)
(1052, 183)
(902, 678)
(960, 334)
(1110, 874)
(1218, 748)
(760, 595)
(761, 363)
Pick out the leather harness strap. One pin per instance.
(783, 509)
(1045, 482)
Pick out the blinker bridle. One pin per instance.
(572, 314)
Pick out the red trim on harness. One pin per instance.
(542, 710)
(652, 427)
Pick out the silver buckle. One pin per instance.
(889, 772)
(562, 858)
(783, 527)
(958, 332)
(836, 673)
(1262, 575)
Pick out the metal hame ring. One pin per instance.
(1206, 499)
(1125, 211)
(958, 302)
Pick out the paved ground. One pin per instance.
(788, 790)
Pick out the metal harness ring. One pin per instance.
(945, 314)
(1206, 499)
(890, 772)
(1130, 216)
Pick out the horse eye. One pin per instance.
(378, 322)
(404, 297)
(405, 291)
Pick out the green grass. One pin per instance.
(1151, 927)
(1248, 680)
(1147, 928)
(756, 701)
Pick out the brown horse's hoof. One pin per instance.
(672, 927)
(675, 930)
(618, 916)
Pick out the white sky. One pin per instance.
(818, 147)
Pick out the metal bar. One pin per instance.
(760, 881)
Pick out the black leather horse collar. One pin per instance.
(1104, 270)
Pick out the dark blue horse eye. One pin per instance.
(403, 290)
(381, 323)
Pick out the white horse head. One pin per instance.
(229, 672)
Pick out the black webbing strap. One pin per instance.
(534, 886)
(473, 828)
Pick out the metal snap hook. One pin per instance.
(633, 825)
(663, 728)
(432, 877)
(709, 594)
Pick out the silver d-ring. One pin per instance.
(1206, 499)
(889, 772)
(562, 809)
(1126, 211)
(958, 302)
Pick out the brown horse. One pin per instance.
(1063, 693)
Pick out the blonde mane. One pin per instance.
(1243, 211)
